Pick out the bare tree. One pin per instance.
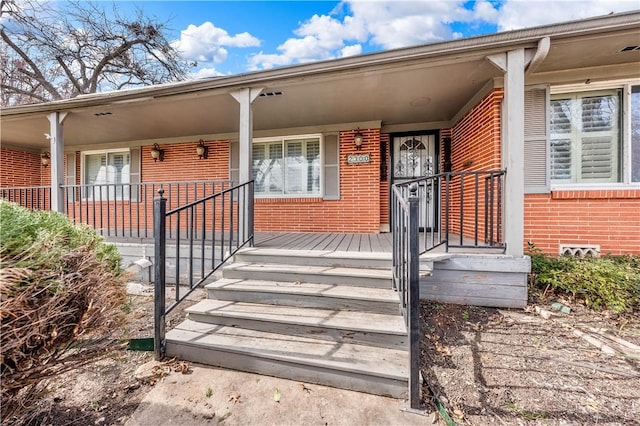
(50, 53)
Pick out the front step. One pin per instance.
(310, 295)
(325, 324)
(319, 317)
(380, 278)
(364, 260)
(380, 371)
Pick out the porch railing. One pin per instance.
(115, 210)
(453, 210)
(459, 210)
(406, 269)
(31, 197)
(192, 241)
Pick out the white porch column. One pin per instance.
(245, 98)
(513, 151)
(56, 144)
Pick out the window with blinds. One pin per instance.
(585, 137)
(111, 173)
(287, 167)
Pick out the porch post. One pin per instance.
(245, 98)
(56, 147)
(513, 151)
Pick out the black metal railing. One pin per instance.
(31, 197)
(452, 210)
(459, 210)
(406, 269)
(115, 210)
(198, 237)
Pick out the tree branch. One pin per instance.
(36, 71)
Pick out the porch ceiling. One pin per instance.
(395, 95)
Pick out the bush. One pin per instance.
(610, 282)
(61, 293)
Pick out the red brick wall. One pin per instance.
(182, 164)
(21, 168)
(610, 218)
(358, 209)
(475, 145)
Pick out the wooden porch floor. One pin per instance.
(325, 241)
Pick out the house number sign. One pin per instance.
(359, 158)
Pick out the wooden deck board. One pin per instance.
(325, 241)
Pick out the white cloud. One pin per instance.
(267, 61)
(354, 49)
(207, 43)
(205, 73)
(391, 24)
(520, 14)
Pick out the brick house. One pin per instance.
(555, 106)
(493, 142)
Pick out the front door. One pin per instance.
(415, 156)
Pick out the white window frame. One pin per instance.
(83, 166)
(283, 140)
(625, 133)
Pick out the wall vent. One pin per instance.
(580, 250)
(630, 48)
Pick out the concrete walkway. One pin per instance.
(211, 396)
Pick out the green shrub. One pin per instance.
(610, 282)
(61, 297)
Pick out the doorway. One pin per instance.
(415, 155)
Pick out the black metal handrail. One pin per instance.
(204, 234)
(424, 204)
(406, 269)
(458, 208)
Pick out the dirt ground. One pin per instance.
(485, 366)
(107, 392)
(512, 367)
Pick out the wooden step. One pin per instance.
(315, 258)
(357, 277)
(341, 326)
(361, 368)
(311, 295)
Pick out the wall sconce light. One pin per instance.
(202, 150)
(357, 139)
(156, 153)
(45, 159)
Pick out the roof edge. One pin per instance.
(512, 39)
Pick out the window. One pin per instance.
(110, 172)
(585, 137)
(287, 167)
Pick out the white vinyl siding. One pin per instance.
(585, 143)
(287, 167)
(536, 140)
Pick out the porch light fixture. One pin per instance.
(45, 159)
(357, 139)
(202, 150)
(156, 153)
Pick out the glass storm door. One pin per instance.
(415, 157)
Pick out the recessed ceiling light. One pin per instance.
(274, 93)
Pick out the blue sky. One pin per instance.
(239, 36)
